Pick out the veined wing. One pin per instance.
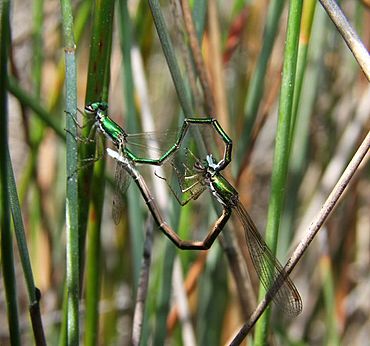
(268, 268)
(122, 181)
(188, 183)
(152, 145)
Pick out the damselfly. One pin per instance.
(127, 158)
(201, 175)
(126, 164)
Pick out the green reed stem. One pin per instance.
(33, 293)
(99, 54)
(304, 97)
(282, 146)
(170, 55)
(97, 89)
(72, 206)
(136, 222)
(7, 258)
(256, 86)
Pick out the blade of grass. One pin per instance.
(282, 145)
(169, 53)
(98, 62)
(104, 12)
(72, 250)
(256, 86)
(212, 299)
(304, 39)
(103, 17)
(304, 111)
(142, 290)
(197, 56)
(93, 256)
(134, 207)
(349, 35)
(164, 294)
(199, 17)
(7, 258)
(216, 67)
(33, 293)
(81, 17)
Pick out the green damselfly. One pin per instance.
(126, 164)
(196, 177)
(127, 160)
(120, 138)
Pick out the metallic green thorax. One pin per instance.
(105, 124)
(112, 130)
(223, 190)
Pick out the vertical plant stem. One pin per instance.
(135, 218)
(99, 78)
(169, 53)
(142, 290)
(7, 259)
(213, 288)
(282, 146)
(72, 251)
(100, 38)
(304, 40)
(303, 111)
(197, 56)
(33, 292)
(217, 68)
(163, 301)
(199, 15)
(256, 87)
(349, 35)
(93, 261)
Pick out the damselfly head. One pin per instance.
(94, 107)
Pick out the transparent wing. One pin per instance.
(202, 138)
(152, 145)
(122, 181)
(183, 180)
(268, 268)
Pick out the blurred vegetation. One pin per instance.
(139, 57)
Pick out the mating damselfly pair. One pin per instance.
(196, 173)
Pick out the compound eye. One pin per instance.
(89, 109)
